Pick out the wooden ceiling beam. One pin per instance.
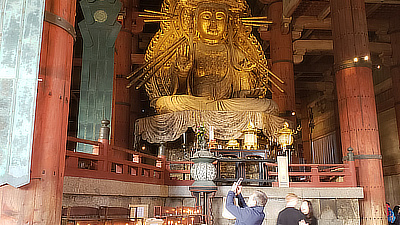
(301, 47)
(289, 6)
(325, 12)
(306, 34)
(313, 23)
(395, 2)
(370, 10)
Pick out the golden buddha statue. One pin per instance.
(204, 57)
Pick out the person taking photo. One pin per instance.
(251, 213)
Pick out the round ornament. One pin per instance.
(100, 16)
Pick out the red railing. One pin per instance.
(319, 175)
(104, 165)
(179, 176)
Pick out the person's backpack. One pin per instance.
(391, 216)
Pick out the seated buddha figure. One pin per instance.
(209, 60)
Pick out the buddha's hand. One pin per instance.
(184, 62)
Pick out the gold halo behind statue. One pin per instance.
(205, 49)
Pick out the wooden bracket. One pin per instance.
(285, 24)
(346, 158)
(368, 156)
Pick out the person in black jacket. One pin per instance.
(396, 211)
(291, 215)
(307, 209)
(251, 213)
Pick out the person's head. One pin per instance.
(306, 208)
(291, 200)
(258, 198)
(396, 209)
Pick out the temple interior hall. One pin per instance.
(134, 112)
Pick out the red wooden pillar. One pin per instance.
(356, 104)
(306, 132)
(136, 106)
(39, 202)
(395, 68)
(122, 61)
(282, 58)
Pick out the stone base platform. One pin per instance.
(338, 206)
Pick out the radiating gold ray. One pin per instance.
(262, 66)
(155, 12)
(254, 18)
(166, 52)
(270, 89)
(147, 66)
(255, 25)
(277, 86)
(150, 67)
(156, 21)
(274, 75)
(154, 16)
(257, 21)
(159, 65)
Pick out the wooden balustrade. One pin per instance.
(320, 175)
(103, 165)
(184, 174)
(98, 216)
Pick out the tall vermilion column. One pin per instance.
(39, 202)
(282, 58)
(136, 104)
(122, 61)
(306, 132)
(356, 104)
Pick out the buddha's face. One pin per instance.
(212, 23)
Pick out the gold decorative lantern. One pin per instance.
(250, 137)
(232, 144)
(285, 138)
(285, 135)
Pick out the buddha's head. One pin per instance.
(212, 22)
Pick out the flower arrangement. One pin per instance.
(200, 134)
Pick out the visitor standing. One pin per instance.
(390, 214)
(290, 215)
(396, 214)
(307, 209)
(251, 213)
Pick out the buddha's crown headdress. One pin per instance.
(233, 5)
